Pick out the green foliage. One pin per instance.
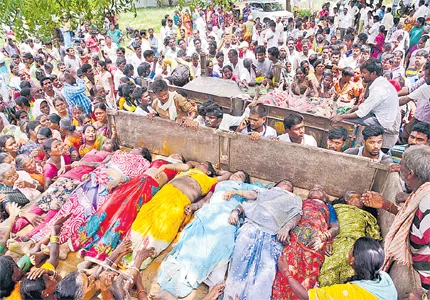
(303, 12)
(39, 18)
(205, 3)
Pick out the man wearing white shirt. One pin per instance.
(258, 35)
(235, 63)
(345, 21)
(374, 30)
(422, 10)
(271, 36)
(215, 118)
(292, 54)
(388, 19)
(279, 26)
(70, 60)
(255, 125)
(295, 131)
(363, 16)
(380, 107)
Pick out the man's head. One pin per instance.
(398, 56)
(197, 44)
(370, 70)
(415, 166)
(141, 95)
(347, 74)
(160, 90)
(356, 51)
(260, 53)
(149, 55)
(291, 44)
(335, 57)
(295, 127)
(337, 138)
(273, 53)
(120, 63)
(372, 140)
(233, 56)
(46, 84)
(421, 57)
(420, 134)
(257, 116)
(213, 115)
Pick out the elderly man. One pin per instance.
(74, 90)
(408, 240)
(381, 105)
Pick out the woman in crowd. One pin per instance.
(417, 31)
(268, 221)
(92, 141)
(72, 137)
(111, 223)
(209, 233)
(308, 244)
(355, 221)
(324, 105)
(31, 146)
(41, 107)
(61, 107)
(379, 42)
(102, 124)
(28, 164)
(369, 283)
(8, 144)
(105, 79)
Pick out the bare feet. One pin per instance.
(84, 265)
(20, 247)
(215, 292)
(64, 251)
(37, 258)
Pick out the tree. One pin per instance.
(204, 3)
(40, 18)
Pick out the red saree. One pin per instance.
(111, 223)
(304, 263)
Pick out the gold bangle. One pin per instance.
(54, 239)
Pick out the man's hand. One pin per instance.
(394, 168)
(254, 136)
(337, 119)
(34, 219)
(234, 218)
(37, 273)
(151, 116)
(372, 199)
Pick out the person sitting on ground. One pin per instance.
(366, 257)
(337, 138)
(372, 145)
(255, 125)
(355, 221)
(295, 131)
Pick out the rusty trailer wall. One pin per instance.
(227, 95)
(265, 159)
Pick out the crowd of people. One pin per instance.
(66, 186)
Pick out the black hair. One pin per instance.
(18, 113)
(148, 53)
(227, 67)
(338, 132)
(274, 51)
(31, 126)
(22, 101)
(102, 106)
(366, 49)
(86, 126)
(260, 49)
(285, 180)
(3, 140)
(211, 169)
(143, 68)
(259, 110)
(83, 117)
(128, 68)
(70, 288)
(292, 119)
(421, 20)
(347, 71)
(342, 200)
(234, 52)
(182, 93)
(159, 85)
(422, 128)
(6, 272)
(219, 54)
(54, 118)
(247, 177)
(214, 110)
(32, 289)
(146, 154)
(3, 156)
(46, 132)
(372, 65)
(47, 146)
(56, 99)
(369, 257)
(370, 131)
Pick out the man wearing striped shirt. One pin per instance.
(74, 90)
(408, 240)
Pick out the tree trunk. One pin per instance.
(288, 5)
(170, 3)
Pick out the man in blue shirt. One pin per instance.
(74, 90)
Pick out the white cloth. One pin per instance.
(139, 111)
(388, 21)
(169, 105)
(268, 132)
(345, 20)
(373, 32)
(308, 140)
(422, 11)
(363, 13)
(383, 102)
(72, 63)
(29, 193)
